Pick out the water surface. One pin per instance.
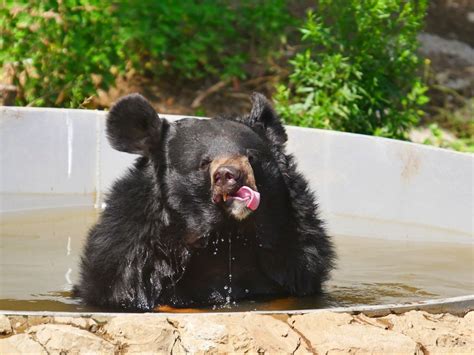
(39, 255)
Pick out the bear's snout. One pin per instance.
(228, 178)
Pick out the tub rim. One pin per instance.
(459, 306)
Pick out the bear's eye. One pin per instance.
(204, 164)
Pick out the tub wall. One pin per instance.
(366, 186)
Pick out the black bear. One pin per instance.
(213, 210)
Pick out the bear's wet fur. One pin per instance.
(165, 235)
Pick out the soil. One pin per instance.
(173, 96)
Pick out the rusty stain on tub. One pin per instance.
(411, 163)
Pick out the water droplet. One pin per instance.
(226, 287)
(247, 290)
(260, 245)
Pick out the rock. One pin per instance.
(342, 333)
(203, 334)
(5, 326)
(83, 323)
(432, 44)
(143, 333)
(376, 322)
(439, 334)
(18, 323)
(236, 333)
(37, 320)
(413, 332)
(452, 64)
(468, 320)
(56, 338)
(265, 334)
(452, 19)
(20, 344)
(200, 335)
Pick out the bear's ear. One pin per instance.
(133, 126)
(263, 117)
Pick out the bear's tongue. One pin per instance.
(252, 197)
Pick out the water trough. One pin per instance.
(402, 214)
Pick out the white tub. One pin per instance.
(366, 186)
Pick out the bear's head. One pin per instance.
(213, 173)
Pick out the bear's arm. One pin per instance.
(126, 262)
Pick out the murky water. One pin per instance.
(39, 254)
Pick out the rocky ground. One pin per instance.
(414, 332)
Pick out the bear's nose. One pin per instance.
(227, 176)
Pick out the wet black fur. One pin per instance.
(161, 240)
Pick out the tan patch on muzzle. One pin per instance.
(240, 163)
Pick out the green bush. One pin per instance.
(197, 39)
(61, 52)
(359, 70)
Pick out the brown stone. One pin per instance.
(56, 338)
(5, 326)
(236, 333)
(142, 333)
(20, 344)
(18, 323)
(439, 334)
(468, 321)
(37, 320)
(80, 322)
(332, 333)
(413, 332)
